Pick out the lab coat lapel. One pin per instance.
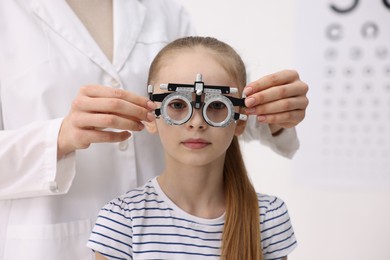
(129, 16)
(60, 18)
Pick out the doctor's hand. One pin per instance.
(96, 111)
(278, 99)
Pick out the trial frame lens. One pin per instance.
(173, 115)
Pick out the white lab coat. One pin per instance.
(47, 207)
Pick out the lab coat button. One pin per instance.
(115, 83)
(123, 145)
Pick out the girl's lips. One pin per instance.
(195, 143)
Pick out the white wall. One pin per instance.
(329, 222)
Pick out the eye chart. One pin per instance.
(343, 52)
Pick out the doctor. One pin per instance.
(71, 72)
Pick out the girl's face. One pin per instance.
(195, 143)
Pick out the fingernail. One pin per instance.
(151, 117)
(151, 105)
(250, 110)
(141, 126)
(250, 101)
(261, 118)
(248, 91)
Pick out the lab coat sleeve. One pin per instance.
(28, 161)
(285, 144)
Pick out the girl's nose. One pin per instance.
(197, 121)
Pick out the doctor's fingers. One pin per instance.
(279, 106)
(97, 91)
(114, 106)
(276, 79)
(100, 121)
(286, 119)
(295, 89)
(83, 138)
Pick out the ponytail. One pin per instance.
(241, 235)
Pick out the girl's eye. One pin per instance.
(217, 105)
(177, 105)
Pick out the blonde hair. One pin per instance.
(241, 234)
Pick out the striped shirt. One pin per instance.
(145, 224)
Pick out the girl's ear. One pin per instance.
(151, 126)
(240, 127)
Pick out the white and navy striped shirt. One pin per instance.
(145, 224)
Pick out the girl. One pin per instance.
(203, 205)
